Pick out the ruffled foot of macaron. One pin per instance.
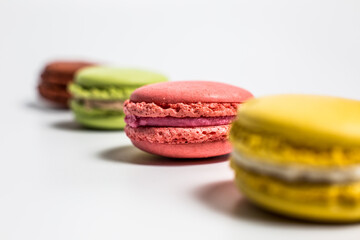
(183, 119)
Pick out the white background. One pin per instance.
(59, 181)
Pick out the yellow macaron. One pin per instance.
(299, 155)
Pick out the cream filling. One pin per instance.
(296, 172)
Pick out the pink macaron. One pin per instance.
(183, 119)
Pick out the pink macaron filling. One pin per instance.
(134, 121)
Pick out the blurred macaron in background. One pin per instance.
(55, 78)
(99, 92)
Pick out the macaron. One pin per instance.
(183, 119)
(99, 93)
(299, 156)
(54, 80)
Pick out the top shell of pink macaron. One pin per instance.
(190, 92)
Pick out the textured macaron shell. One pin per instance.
(62, 72)
(190, 92)
(54, 94)
(54, 89)
(195, 150)
(65, 67)
(180, 110)
(104, 76)
(178, 135)
(98, 118)
(109, 93)
(310, 130)
(274, 149)
(304, 119)
(55, 78)
(112, 122)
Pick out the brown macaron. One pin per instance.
(54, 80)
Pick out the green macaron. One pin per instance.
(98, 94)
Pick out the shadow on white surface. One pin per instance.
(74, 126)
(225, 198)
(44, 106)
(132, 155)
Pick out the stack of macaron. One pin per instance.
(98, 94)
(55, 78)
(183, 119)
(296, 155)
(299, 155)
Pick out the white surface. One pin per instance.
(58, 182)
